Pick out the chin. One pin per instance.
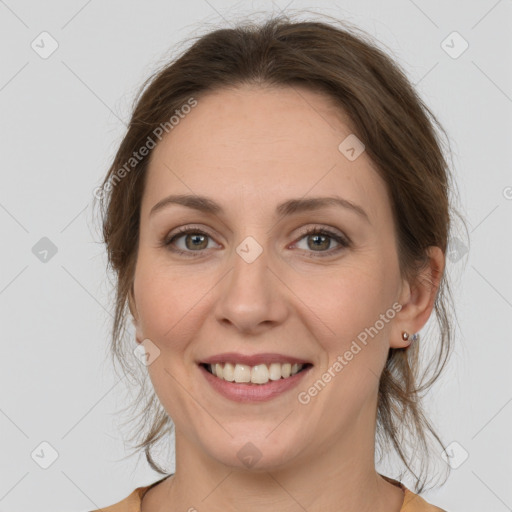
(256, 453)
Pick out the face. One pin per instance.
(249, 286)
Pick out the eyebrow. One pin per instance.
(289, 207)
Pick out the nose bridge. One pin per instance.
(250, 295)
(251, 276)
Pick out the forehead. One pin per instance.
(253, 146)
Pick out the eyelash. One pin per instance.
(344, 242)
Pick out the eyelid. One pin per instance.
(332, 231)
(183, 230)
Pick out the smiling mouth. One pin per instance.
(258, 374)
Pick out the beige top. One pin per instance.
(412, 502)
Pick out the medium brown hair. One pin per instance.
(399, 132)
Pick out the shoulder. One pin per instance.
(129, 504)
(132, 502)
(415, 503)
(412, 502)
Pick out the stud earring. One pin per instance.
(414, 337)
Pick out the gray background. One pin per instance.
(61, 120)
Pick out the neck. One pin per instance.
(338, 477)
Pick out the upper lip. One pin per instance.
(252, 360)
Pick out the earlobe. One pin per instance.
(138, 335)
(138, 332)
(419, 299)
(410, 338)
(131, 303)
(135, 315)
(403, 339)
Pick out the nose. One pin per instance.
(252, 297)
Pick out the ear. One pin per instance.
(417, 299)
(135, 315)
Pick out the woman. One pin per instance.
(277, 216)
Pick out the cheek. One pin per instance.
(347, 301)
(167, 301)
(350, 305)
(355, 308)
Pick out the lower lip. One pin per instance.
(247, 392)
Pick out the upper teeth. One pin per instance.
(259, 374)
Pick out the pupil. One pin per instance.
(195, 238)
(317, 238)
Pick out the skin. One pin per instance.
(249, 149)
